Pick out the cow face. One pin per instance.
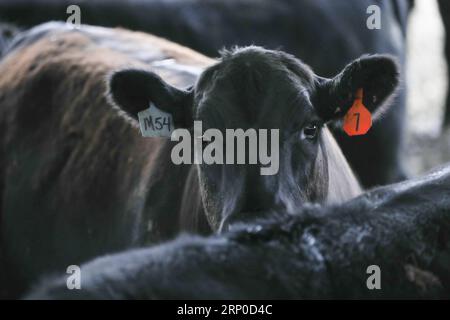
(254, 88)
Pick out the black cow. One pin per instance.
(325, 34)
(320, 252)
(77, 179)
(444, 7)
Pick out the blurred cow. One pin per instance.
(444, 7)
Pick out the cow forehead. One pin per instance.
(273, 112)
(255, 84)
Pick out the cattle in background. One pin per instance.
(325, 34)
(74, 174)
(444, 7)
(318, 253)
(78, 180)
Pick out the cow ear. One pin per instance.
(132, 90)
(377, 75)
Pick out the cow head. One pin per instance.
(262, 89)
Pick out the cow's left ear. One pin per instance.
(377, 75)
(131, 90)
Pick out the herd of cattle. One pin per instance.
(77, 180)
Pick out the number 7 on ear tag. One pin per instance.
(358, 119)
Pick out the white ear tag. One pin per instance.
(155, 123)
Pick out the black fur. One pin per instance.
(321, 252)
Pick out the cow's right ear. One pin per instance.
(376, 75)
(132, 90)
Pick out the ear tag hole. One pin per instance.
(154, 122)
(358, 119)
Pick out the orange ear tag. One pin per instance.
(358, 119)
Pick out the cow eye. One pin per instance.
(310, 131)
